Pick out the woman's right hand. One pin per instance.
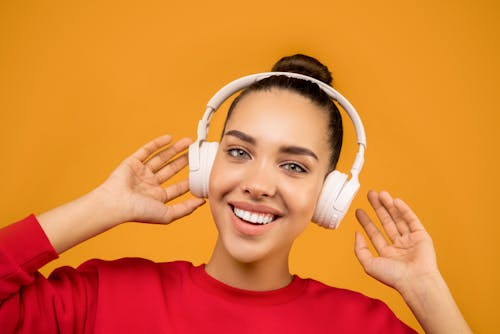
(133, 192)
(135, 187)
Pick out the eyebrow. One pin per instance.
(296, 150)
(241, 135)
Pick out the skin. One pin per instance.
(263, 174)
(406, 261)
(133, 192)
(274, 170)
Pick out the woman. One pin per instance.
(281, 138)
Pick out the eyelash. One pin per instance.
(292, 167)
(237, 153)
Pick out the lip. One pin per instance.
(252, 230)
(257, 208)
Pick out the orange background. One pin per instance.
(83, 84)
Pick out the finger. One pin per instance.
(161, 158)
(376, 237)
(383, 215)
(171, 168)
(182, 209)
(388, 202)
(407, 213)
(151, 147)
(176, 190)
(362, 251)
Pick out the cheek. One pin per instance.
(223, 177)
(302, 197)
(301, 202)
(215, 176)
(216, 190)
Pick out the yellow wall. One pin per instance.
(83, 84)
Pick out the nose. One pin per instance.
(259, 182)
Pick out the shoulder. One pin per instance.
(116, 276)
(353, 307)
(126, 270)
(345, 297)
(135, 265)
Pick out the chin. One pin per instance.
(245, 244)
(245, 251)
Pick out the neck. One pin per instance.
(261, 275)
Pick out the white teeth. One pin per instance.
(252, 217)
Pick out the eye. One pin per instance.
(294, 167)
(238, 153)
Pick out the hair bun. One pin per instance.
(306, 65)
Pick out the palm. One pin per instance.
(136, 185)
(407, 254)
(142, 182)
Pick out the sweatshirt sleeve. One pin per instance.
(31, 303)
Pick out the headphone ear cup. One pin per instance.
(325, 213)
(201, 160)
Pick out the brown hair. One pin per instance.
(309, 66)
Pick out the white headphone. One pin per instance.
(337, 193)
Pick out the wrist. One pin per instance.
(432, 303)
(103, 203)
(415, 287)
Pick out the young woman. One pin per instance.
(281, 138)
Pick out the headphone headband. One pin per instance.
(229, 89)
(338, 191)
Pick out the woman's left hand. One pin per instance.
(406, 255)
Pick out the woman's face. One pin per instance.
(268, 173)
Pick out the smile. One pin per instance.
(253, 217)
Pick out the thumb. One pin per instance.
(361, 250)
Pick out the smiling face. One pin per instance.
(268, 174)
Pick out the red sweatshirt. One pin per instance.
(135, 295)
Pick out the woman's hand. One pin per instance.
(135, 187)
(406, 261)
(133, 192)
(406, 255)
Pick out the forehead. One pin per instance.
(282, 117)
